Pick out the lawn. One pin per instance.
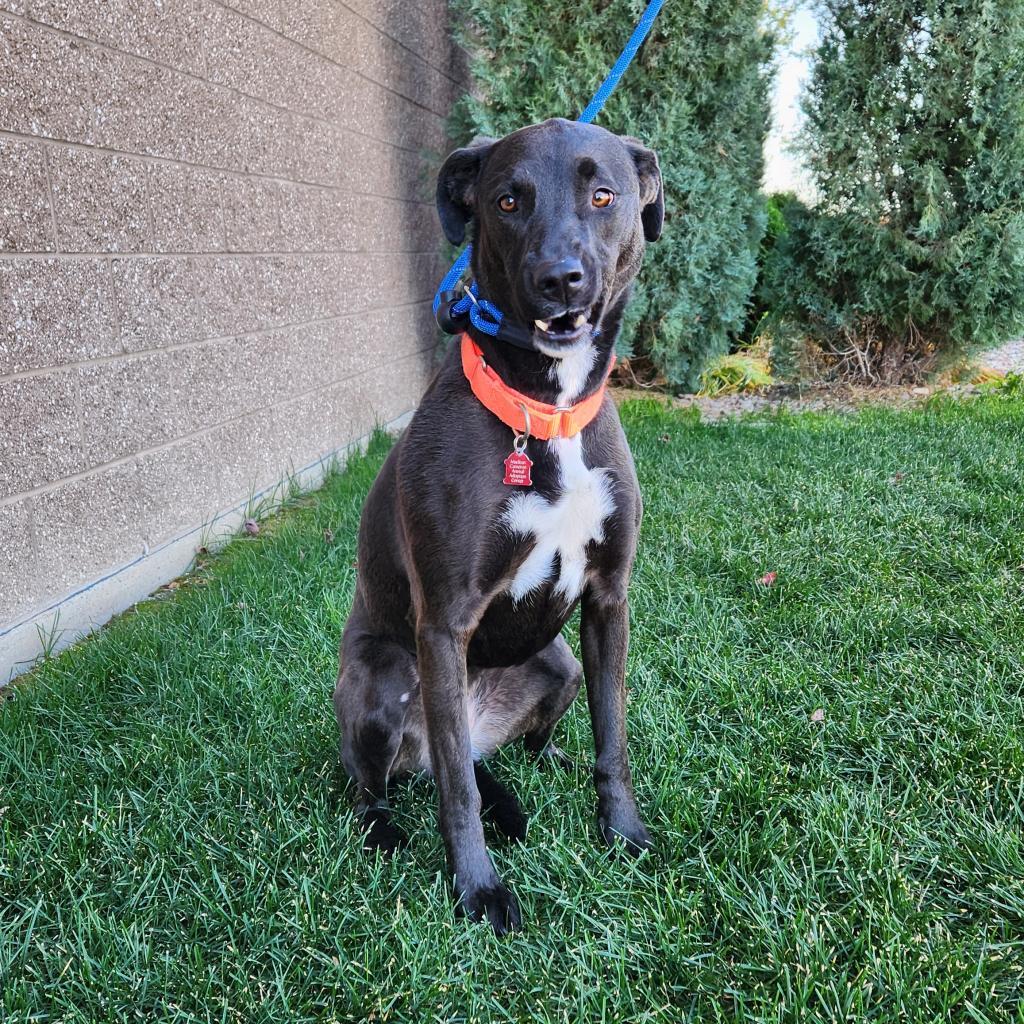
(831, 765)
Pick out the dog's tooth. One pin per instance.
(543, 325)
(580, 320)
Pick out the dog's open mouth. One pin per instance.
(566, 327)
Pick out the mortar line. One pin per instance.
(290, 39)
(49, 140)
(169, 254)
(194, 434)
(408, 49)
(291, 325)
(235, 508)
(49, 195)
(153, 62)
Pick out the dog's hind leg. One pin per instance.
(527, 701)
(499, 805)
(371, 701)
(560, 674)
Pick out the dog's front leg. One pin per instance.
(441, 654)
(604, 636)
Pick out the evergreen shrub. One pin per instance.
(914, 249)
(697, 94)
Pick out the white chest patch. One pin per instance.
(565, 526)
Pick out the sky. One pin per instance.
(782, 171)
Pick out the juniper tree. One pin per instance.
(915, 142)
(697, 93)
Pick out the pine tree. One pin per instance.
(697, 93)
(915, 141)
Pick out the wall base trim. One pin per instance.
(83, 611)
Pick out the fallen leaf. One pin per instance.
(897, 478)
(818, 715)
(251, 527)
(767, 579)
(665, 438)
(328, 536)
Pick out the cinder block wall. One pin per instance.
(217, 253)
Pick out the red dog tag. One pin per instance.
(517, 470)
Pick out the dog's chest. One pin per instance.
(562, 526)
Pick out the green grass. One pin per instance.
(176, 841)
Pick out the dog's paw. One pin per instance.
(625, 834)
(508, 818)
(495, 903)
(380, 833)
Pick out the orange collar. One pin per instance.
(546, 421)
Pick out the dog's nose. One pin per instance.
(559, 279)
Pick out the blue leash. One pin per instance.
(484, 315)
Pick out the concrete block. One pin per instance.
(251, 58)
(54, 311)
(252, 218)
(304, 212)
(238, 294)
(26, 223)
(40, 435)
(304, 150)
(87, 525)
(99, 201)
(423, 28)
(375, 168)
(167, 32)
(147, 109)
(178, 487)
(128, 405)
(266, 11)
(351, 41)
(248, 456)
(220, 381)
(185, 209)
(18, 566)
(46, 83)
(317, 219)
(94, 601)
(156, 301)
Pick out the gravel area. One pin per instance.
(1006, 358)
(841, 398)
(833, 398)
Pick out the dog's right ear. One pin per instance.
(456, 187)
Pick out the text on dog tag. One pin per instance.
(517, 470)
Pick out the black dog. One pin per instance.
(453, 646)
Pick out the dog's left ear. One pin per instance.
(456, 187)
(652, 192)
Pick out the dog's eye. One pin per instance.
(602, 197)
(508, 204)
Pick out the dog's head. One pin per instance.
(560, 213)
